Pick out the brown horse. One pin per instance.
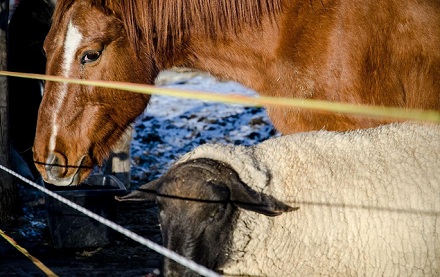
(368, 52)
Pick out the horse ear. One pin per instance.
(145, 193)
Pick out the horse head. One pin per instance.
(78, 125)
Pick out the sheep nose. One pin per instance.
(56, 166)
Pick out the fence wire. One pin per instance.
(259, 101)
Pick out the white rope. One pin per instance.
(154, 246)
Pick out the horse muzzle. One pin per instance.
(57, 171)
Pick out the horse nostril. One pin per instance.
(56, 166)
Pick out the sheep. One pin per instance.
(356, 203)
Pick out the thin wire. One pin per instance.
(153, 246)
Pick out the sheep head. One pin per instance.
(198, 202)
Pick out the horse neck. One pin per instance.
(242, 56)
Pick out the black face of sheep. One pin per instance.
(198, 203)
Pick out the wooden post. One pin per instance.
(8, 189)
(118, 163)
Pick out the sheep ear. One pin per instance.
(145, 193)
(246, 198)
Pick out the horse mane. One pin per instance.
(162, 24)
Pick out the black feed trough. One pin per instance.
(70, 228)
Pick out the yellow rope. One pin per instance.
(337, 107)
(39, 264)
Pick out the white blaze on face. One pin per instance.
(72, 41)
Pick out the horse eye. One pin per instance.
(90, 56)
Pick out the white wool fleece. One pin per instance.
(369, 203)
